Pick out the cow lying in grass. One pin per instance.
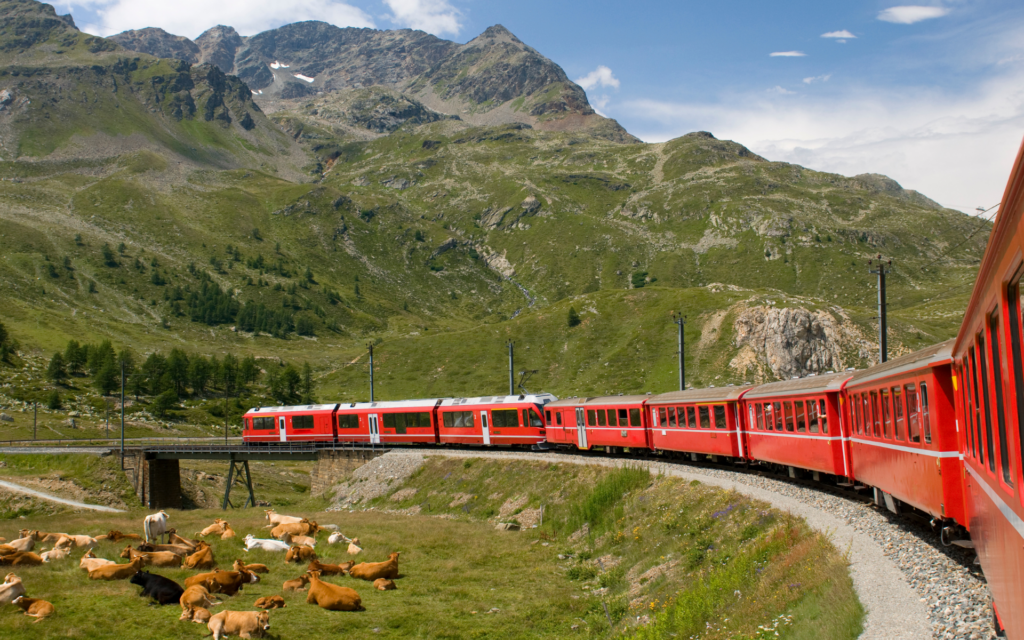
(270, 602)
(244, 624)
(199, 615)
(11, 589)
(153, 558)
(217, 528)
(331, 569)
(57, 553)
(76, 542)
(34, 607)
(298, 584)
(196, 596)
(304, 528)
(277, 518)
(178, 549)
(373, 570)
(251, 568)
(116, 536)
(300, 554)
(89, 561)
(252, 542)
(296, 540)
(226, 582)
(21, 559)
(162, 590)
(116, 571)
(330, 596)
(201, 559)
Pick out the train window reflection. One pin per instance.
(995, 344)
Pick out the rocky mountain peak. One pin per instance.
(218, 46)
(157, 42)
(496, 33)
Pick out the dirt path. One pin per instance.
(10, 486)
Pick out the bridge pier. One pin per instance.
(334, 464)
(157, 483)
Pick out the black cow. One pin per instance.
(162, 590)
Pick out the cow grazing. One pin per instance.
(201, 559)
(196, 596)
(252, 542)
(373, 570)
(251, 568)
(89, 561)
(76, 542)
(116, 536)
(175, 539)
(305, 528)
(21, 559)
(226, 582)
(216, 528)
(298, 584)
(300, 554)
(116, 571)
(244, 624)
(162, 590)
(24, 543)
(176, 549)
(270, 602)
(35, 607)
(330, 596)
(155, 526)
(296, 540)
(11, 589)
(199, 615)
(383, 584)
(331, 569)
(57, 553)
(276, 518)
(153, 558)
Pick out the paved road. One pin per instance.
(10, 486)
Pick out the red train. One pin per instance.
(940, 430)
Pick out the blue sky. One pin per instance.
(930, 93)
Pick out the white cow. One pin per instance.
(155, 526)
(56, 553)
(11, 589)
(89, 561)
(276, 518)
(75, 542)
(23, 544)
(252, 542)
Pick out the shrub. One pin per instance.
(164, 402)
(53, 402)
(57, 371)
(573, 318)
(639, 279)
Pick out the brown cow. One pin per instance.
(76, 542)
(276, 518)
(298, 584)
(331, 596)
(35, 607)
(21, 559)
(41, 536)
(228, 533)
(6, 549)
(217, 528)
(153, 558)
(300, 554)
(196, 596)
(201, 559)
(270, 602)
(175, 539)
(226, 582)
(116, 571)
(149, 547)
(199, 615)
(383, 584)
(301, 541)
(89, 561)
(331, 569)
(304, 528)
(373, 570)
(244, 624)
(251, 568)
(116, 536)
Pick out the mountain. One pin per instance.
(493, 79)
(152, 202)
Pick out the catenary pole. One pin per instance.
(881, 271)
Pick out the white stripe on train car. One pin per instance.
(793, 435)
(1008, 513)
(896, 447)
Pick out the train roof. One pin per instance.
(801, 386)
(533, 398)
(420, 403)
(293, 408)
(933, 356)
(710, 394)
(596, 400)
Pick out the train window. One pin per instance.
(823, 414)
(865, 409)
(672, 417)
(348, 421)
(691, 417)
(623, 417)
(504, 418)
(886, 414)
(759, 412)
(788, 406)
(897, 413)
(662, 418)
(720, 422)
(558, 418)
(302, 422)
(458, 419)
(530, 418)
(611, 418)
(913, 417)
(591, 418)
(925, 416)
(263, 424)
(547, 416)
(976, 406)
(634, 417)
(986, 405)
(1014, 311)
(801, 422)
(995, 344)
(705, 417)
(769, 416)
(777, 411)
(858, 425)
(876, 416)
(812, 416)
(602, 422)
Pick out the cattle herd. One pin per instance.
(162, 547)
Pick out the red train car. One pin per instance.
(698, 421)
(303, 423)
(611, 422)
(493, 420)
(904, 441)
(990, 372)
(392, 422)
(798, 424)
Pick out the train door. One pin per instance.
(374, 429)
(581, 429)
(281, 429)
(484, 427)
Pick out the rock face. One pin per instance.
(877, 183)
(375, 109)
(159, 43)
(218, 47)
(792, 342)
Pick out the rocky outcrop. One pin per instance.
(376, 109)
(159, 43)
(877, 183)
(218, 47)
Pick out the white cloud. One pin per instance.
(433, 16)
(599, 103)
(191, 17)
(813, 79)
(909, 14)
(844, 34)
(781, 91)
(602, 76)
(956, 148)
(787, 54)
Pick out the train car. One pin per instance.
(610, 422)
(797, 424)
(392, 422)
(698, 421)
(493, 420)
(904, 439)
(990, 375)
(302, 423)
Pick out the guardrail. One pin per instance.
(113, 442)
